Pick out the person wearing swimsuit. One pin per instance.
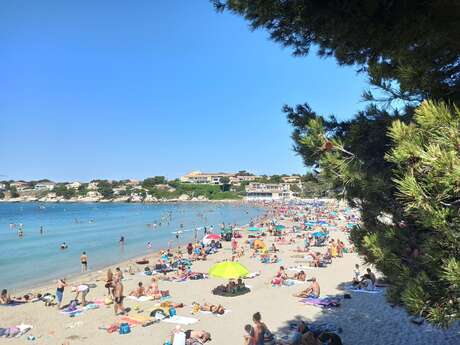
(259, 329)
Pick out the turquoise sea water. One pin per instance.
(96, 228)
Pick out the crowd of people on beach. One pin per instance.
(310, 239)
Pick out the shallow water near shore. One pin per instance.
(96, 228)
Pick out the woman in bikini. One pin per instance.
(215, 309)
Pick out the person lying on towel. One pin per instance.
(313, 291)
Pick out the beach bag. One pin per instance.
(124, 328)
(268, 337)
(172, 311)
(158, 314)
(164, 293)
(108, 301)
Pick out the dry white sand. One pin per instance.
(365, 319)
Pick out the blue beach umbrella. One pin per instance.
(318, 234)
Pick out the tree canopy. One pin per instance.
(401, 164)
(412, 42)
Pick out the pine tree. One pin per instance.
(401, 168)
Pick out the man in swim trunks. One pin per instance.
(312, 292)
(84, 262)
(118, 300)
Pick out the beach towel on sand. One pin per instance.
(12, 304)
(211, 313)
(325, 302)
(141, 299)
(181, 320)
(374, 291)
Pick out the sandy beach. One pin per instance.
(364, 319)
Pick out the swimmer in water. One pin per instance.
(122, 240)
(63, 245)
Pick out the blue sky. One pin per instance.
(117, 89)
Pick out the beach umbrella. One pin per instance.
(280, 227)
(259, 244)
(255, 229)
(211, 237)
(228, 270)
(318, 234)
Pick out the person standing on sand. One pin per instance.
(118, 274)
(61, 284)
(118, 297)
(84, 262)
(260, 329)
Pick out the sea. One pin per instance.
(96, 228)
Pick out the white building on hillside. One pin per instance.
(237, 179)
(73, 185)
(292, 179)
(92, 185)
(199, 177)
(268, 191)
(20, 185)
(44, 186)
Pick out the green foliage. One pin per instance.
(153, 181)
(386, 162)
(82, 189)
(2, 195)
(225, 184)
(244, 173)
(416, 183)
(61, 190)
(409, 49)
(174, 183)
(14, 192)
(105, 188)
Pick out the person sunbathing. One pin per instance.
(315, 259)
(280, 276)
(240, 284)
(169, 304)
(274, 260)
(366, 282)
(181, 273)
(139, 291)
(215, 309)
(301, 276)
(153, 289)
(5, 297)
(313, 290)
(273, 248)
(201, 336)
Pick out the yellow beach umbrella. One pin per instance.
(228, 270)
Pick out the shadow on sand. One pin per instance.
(366, 318)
